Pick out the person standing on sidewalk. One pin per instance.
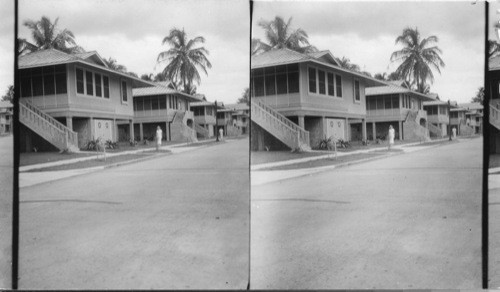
(221, 134)
(159, 134)
(391, 136)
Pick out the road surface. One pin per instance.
(6, 184)
(404, 222)
(178, 222)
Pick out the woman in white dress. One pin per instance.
(391, 136)
(159, 134)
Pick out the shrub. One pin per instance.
(111, 145)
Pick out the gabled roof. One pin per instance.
(5, 104)
(472, 105)
(161, 88)
(435, 102)
(494, 63)
(238, 106)
(206, 103)
(276, 57)
(393, 89)
(92, 56)
(52, 57)
(325, 56)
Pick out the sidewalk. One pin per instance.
(177, 148)
(27, 179)
(263, 176)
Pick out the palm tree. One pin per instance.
(493, 48)
(279, 35)
(346, 64)
(418, 57)
(112, 64)
(46, 35)
(184, 59)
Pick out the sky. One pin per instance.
(131, 31)
(6, 45)
(365, 32)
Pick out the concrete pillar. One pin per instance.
(363, 129)
(141, 132)
(347, 130)
(301, 122)
(131, 129)
(69, 122)
(400, 130)
(92, 130)
(374, 131)
(166, 134)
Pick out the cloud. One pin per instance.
(131, 31)
(365, 32)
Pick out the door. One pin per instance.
(103, 129)
(335, 128)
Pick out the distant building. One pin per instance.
(6, 113)
(162, 106)
(240, 115)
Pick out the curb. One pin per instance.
(315, 170)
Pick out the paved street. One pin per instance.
(6, 176)
(403, 222)
(494, 231)
(181, 221)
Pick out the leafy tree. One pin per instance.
(479, 96)
(418, 57)
(147, 77)
(245, 97)
(279, 35)
(184, 59)
(46, 35)
(9, 94)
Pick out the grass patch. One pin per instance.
(259, 157)
(206, 143)
(328, 161)
(101, 162)
(31, 158)
(434, 143)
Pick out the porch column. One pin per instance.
(141, 132)
(69, 122)
(374, 130)
(166, 131)
(301, 122)
(131, 129)
(347, 130)
(400, 130)
(92, 130)
(363, 129)
(115, 131)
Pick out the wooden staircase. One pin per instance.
(47, 127)
(280, 127)
(201, 131)
(435, 130)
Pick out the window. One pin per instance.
(98, 85)
(338, 79)
(90, 82)
(312, 80)
(281, 83)
(395, 101)
(140, 103)
(105, 81)
(60, 77)
(163, 102)
(25, 86)
(357, 93)
(79, 81)
(331, 85)
(380, 102)
(321, 82)
(293, 78)
(124, 91)
(372, 104)
(48, 81)
(155, 103)
(275, 80)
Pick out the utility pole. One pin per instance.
(449, 119)
(217, 124)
